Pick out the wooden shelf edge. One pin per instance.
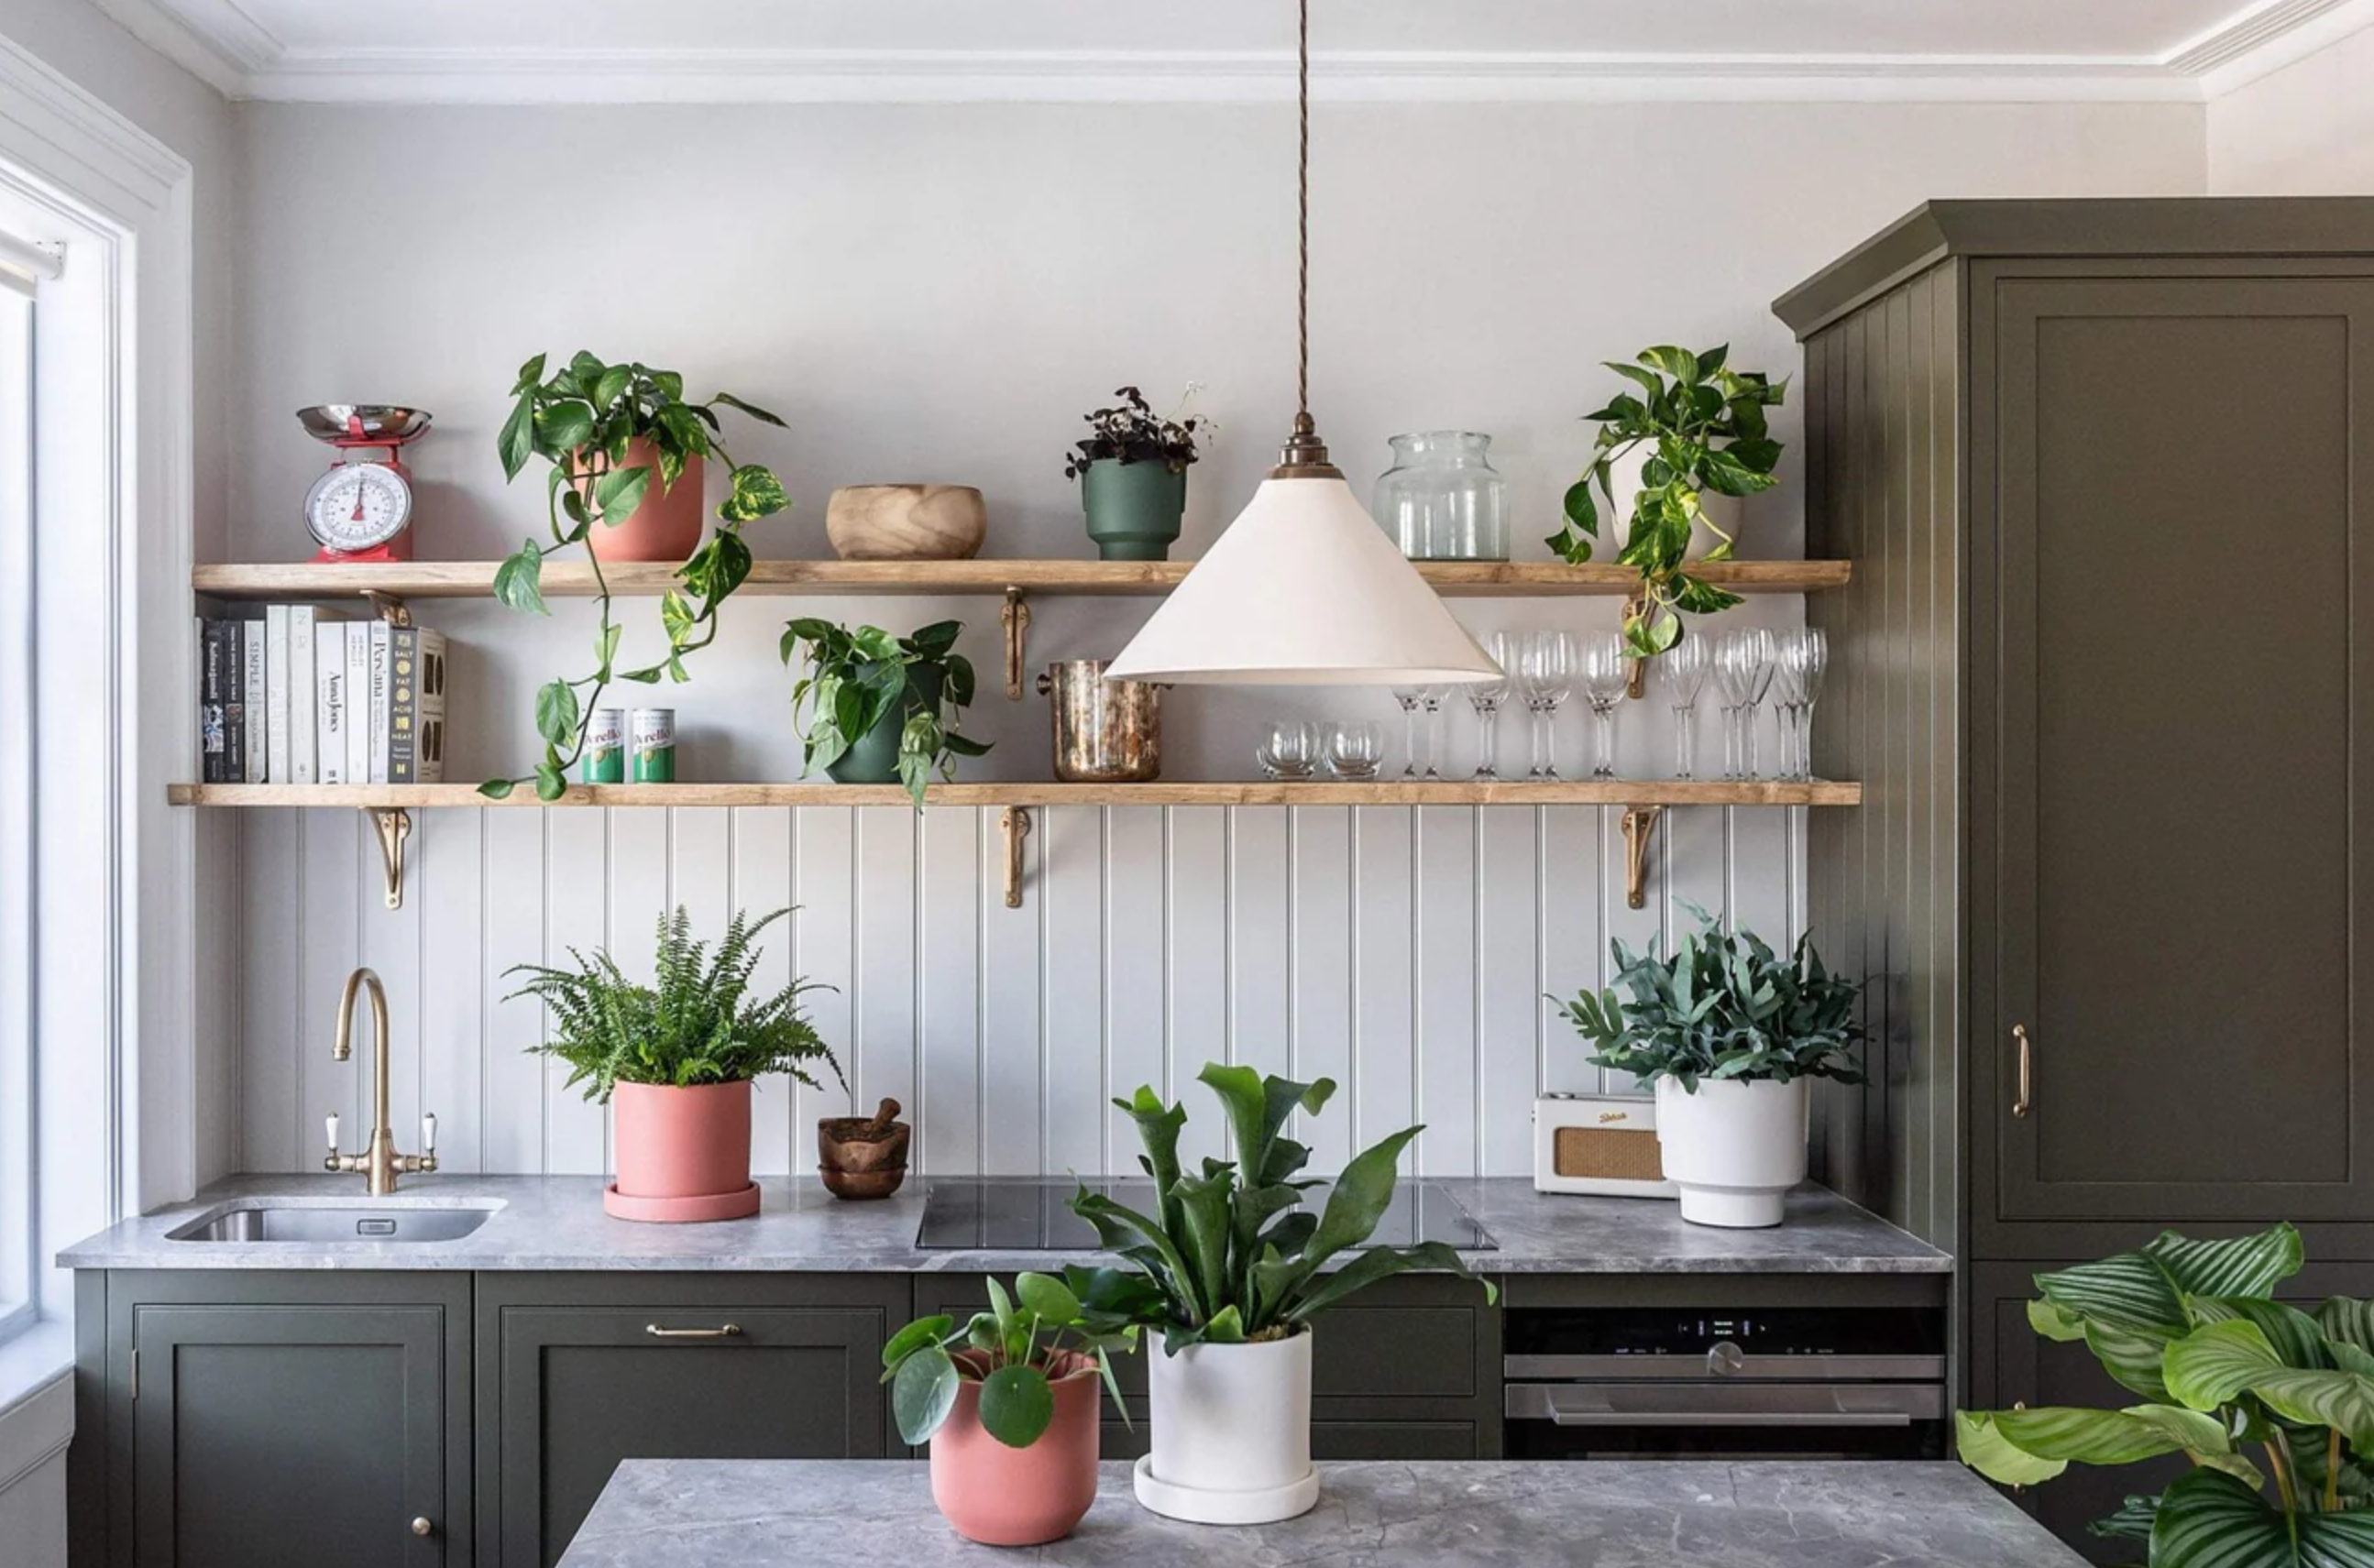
(475, 579)
(1587, 793)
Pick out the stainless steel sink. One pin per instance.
(381, 1222)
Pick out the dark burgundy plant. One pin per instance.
(1135, 433)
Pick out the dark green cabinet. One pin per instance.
(578, 1372)
(275, 1418)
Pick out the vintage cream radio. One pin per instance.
(1599, 1144)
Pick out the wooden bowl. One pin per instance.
(858, 1185)
(906, 523)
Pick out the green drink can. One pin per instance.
(651, 744)
(604, 761)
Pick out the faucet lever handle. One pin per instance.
(429, 1132)
(330, 1125)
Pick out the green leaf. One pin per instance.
(496, 789)
(529, 374)
(563, 426)
(557, 712)
(1002, 1306)
(756, 493)
(2348, 1322)
(2216, 1362)
(1049, 1298)
(922, 1394)
(730, 401)
(1379, 1263)
(2129, 1289)
(2053, 1323)
(550, 782)
(617, 493)
(2209, 1519)
(915, 1336)
(612, 385)
(516, 443)
(1678, 363)
(1015, 1405)
(519, 582)
(2241, 1266)
(2109, 1437)
(1981, 1444)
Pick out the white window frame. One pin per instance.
(21, 269)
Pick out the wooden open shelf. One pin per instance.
(573, 578)
(1316, 793)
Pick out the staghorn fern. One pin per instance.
(692, 1025)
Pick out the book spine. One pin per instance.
(276, 766)
(358, 708)
(378, 690)
(251, 652)
(214, 730)
(234, 704)
(429, 726)
(330, 695)
(303, 704)
(404, 673)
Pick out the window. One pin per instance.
(21, 269)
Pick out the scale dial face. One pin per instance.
(357, 506)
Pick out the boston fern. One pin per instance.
(1726, 1006)
(2274, 1406)
(1232, 1254)
(580, 420)
(694, 1024)
(1705, 424)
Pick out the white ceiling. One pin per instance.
(614, 50)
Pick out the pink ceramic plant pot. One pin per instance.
(1001, 1496)
(667, 525)
(683, 1154)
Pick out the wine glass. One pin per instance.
(1290, 749)
(1485, 697)
(1430, 700)
(1605, 674)
(1546, 671)
(1683, 669)
(1410, 698)
(1743, 664)
(1800, 659)
(1353, 749)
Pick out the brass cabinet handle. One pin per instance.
(421, 1527)
(722, 1331)
(2027, 1098)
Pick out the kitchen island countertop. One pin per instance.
(1654, 1513)
(556, 1222)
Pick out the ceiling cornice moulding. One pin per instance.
(230, 49)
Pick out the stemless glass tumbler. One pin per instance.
(1485, 697)
(1546, 671)
(1605, 674)
(1682, 670)
(1290, 749)
(1742, 665)
(1353, 749)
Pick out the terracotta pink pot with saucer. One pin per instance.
(684, 1154)
(668, 523)
(1001, 1496)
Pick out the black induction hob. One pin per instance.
(1018, 1214)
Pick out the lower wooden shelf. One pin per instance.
(1316, 793)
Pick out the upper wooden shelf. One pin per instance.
(475, 579)
(1316, 793)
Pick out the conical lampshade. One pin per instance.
(1304, 588)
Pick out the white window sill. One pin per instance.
(30, 1363)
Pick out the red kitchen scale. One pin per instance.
(361, 510)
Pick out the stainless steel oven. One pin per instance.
(1801, 1383)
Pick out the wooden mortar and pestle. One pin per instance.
(863, 1156)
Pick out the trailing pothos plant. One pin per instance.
(1727, 1006)
(2274, 1406)
(1048, 1329)
(855, 679)
(1706, 424)
(582, 419)
(1232, 1256)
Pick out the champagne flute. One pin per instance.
(1546, 673)
(1683, 670)
(1606, 675)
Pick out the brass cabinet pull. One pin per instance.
(722, 1331)
(2027, 1098)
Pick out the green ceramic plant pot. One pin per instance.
(873, 757)
(1134, 507)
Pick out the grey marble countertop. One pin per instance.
(1651, 1514)
(557, 1223)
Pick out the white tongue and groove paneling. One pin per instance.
(1407, 953)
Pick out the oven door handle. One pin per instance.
(1566, 1408)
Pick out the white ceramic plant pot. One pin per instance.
(1735, 1148)
(1231, 1432)
(1725, 513)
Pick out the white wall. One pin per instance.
(2307, 130)
(937, 293)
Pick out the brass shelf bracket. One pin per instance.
(394, 825)
(388, 608)
(1636, 679)
(1016, 821)
(1639, 828)
(1014, 616)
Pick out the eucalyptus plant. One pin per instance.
(1726, 1006)
(1232, 1256)
(1707, 428)
(1047, 1330)
(2230, 1378)
(581, 420)
(854, 679)
(696, 1023)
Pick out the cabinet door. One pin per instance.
(296, 1435)
(582, 1385)
(2172, 734)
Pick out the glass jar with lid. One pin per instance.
(1442, 501)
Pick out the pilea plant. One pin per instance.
(856, 679)
(582, 419)
(1726, 1006)
(1707, 425)
(1015, 1352)
(2232, 1379)
(1232, 1256)
(1135, 433)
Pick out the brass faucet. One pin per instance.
(380, 1162)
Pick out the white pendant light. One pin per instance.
(1304, 588)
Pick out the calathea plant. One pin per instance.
(1048, 1329)
(2274, 1406)
(1706, 426)
(1232, 1256)
(1726, 1006)
(582, 419)
(854, 680)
